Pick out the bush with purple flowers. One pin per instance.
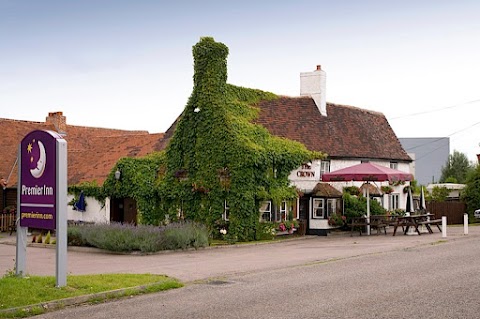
(119, 237)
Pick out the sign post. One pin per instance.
(42, 195)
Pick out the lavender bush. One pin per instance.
(144, 238)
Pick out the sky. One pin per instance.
(128, 64)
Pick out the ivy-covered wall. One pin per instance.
(138, 180)
(217, 154)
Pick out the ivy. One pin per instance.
(216, 155)
(138, 180)
(215, 133)
(89, 189)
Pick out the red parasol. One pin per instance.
(367, 172)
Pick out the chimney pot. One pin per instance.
(313, 84)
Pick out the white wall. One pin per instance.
(94, 211)
(306, 177)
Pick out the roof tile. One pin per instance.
(92, 152)
(346, 132)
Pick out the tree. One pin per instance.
(456, 168)
(471, 193)
(440, 194)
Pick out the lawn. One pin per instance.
(34, 290)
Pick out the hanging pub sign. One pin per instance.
(38, 180)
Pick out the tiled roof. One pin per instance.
(325, 190)
(346, 131)
(92, 152)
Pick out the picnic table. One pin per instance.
(375, 221)
(416, 221)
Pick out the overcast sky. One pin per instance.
(128, 64)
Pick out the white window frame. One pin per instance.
(283, 210)
(265, 210)
(393, 201)
(324, 168)
(394, 165)
(317, 209)
(331, 206)
(226, 212)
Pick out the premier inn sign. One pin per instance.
(42, 195)
(38, 180)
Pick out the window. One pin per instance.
(226, 212)
(283, 211)
(394, 165)
(318, 210)
(393, 201)
(331, 206)
(324, 168)
(266, 211)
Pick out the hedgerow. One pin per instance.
(144, 238)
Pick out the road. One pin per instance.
(436, 280)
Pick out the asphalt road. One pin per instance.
(436, 280)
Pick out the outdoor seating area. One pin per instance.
(382, 223)
(417, 221)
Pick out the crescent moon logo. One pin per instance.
(37, 172)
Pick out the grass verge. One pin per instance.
(32, 295)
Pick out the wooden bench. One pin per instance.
(430, 220)
(377, 222)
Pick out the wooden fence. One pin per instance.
(453, 210)
(6, 219)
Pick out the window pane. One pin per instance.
(318, 208)
(393, 201)
(331, 206)
(266, 210)
(324, 167)
(265, 206)
(283, 211)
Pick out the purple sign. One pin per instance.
(38, 175)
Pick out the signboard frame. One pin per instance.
(42, 195)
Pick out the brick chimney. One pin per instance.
(313, 84)
(58, 121)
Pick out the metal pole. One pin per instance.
(21, 248)
(61, 213)
(444, 226)
(465, 224)
(368, 209)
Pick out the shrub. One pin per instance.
(145, 238)
(356, 207)
(265, 231)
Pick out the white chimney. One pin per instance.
(313, 84)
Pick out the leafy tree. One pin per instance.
(471, 193)
(451, 180)
(357, 206)
(456, 168)
(440, 194)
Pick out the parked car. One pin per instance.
(476, 213)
